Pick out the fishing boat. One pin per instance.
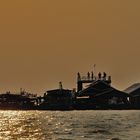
(57, 99)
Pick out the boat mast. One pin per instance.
(60, 86)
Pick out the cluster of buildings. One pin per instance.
(93, 92)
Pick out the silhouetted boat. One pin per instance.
(12, 101)
(57, 99)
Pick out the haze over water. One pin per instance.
(69, 125)
(48, 41)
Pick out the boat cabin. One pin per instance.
(58, 99)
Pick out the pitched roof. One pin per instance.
(99, 88)
(113, 92)
(96, 87)
(132, 88)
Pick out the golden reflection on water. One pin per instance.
(19, 125)
(69, 125)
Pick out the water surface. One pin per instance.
(70, 125)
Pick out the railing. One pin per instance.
(85, 78)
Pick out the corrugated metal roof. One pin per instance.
(100, 88)
(132, 88)
(96, 87)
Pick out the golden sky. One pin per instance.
(43, 42)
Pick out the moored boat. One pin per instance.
(57, 99)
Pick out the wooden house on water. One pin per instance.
(134, 91)
(99, 94)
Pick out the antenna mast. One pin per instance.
(94, 69)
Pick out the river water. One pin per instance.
(70, 125)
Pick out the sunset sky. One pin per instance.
(43, 42)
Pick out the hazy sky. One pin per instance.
(43, 42)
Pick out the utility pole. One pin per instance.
(94, 69)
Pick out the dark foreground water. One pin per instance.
(70, 125)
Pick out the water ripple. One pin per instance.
(69, 125)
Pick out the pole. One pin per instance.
(94, 70)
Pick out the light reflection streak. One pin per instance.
(19, 124)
